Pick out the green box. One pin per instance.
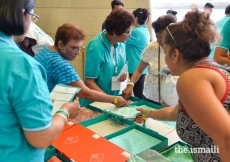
(152, 105)
(134, 99)
(162, 144)
(50, 150)
(93, 108)
(102, 118)
(57, 155)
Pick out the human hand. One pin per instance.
(121, 102)
(143, 113)
(123, 77)
(139, 119)
(73, 108)
(127, 92)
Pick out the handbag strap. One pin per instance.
(159, 77)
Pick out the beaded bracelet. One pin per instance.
(63, 116)
(148, 113)
(64, 112)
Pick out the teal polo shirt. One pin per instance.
(25, 103)
(220, 25)
(99, 64)
(225, 43)
(140, 37)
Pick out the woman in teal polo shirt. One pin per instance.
(27, 126)
(105, 55)
(140, 37)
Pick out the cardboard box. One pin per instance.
(61, 158)
(68, 125)
(104, 125)
(161, 140)
(149, 104)
(100, 151)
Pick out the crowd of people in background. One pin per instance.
(184, 48)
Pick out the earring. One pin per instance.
(174, 61)
(60, 48)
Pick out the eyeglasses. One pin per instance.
(171, 34)
(76, 49)
(128, 34)
(34, 17)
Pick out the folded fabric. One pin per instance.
(123, 113)
(174, 156)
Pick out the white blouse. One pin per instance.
(150, 56)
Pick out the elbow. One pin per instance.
(40, 145)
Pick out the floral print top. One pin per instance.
(150, 56)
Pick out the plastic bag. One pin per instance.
(40, 36)
(153, 156)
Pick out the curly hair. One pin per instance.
(162, 22)
(192, 36)
(118, 22)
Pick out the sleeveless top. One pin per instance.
(189, 132)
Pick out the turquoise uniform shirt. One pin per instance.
(140, 37)
(99, 64)
(225, 43)
(58, 69)
(25, 103)
(219, 25)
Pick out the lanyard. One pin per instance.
(114, 58)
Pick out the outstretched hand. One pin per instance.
(121, 102)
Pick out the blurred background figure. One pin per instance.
(138, 40)
(193, 7)
(221, 23)
(172, 12)
(152, 57)
(220, 55)
(208, 8)
(115, 5)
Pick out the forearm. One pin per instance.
(222, 60)
(92, 85)
(220, 56)
(100, 97)
(43, 139)
(165, 114)
(136, 75)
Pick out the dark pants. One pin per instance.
(139, 86)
